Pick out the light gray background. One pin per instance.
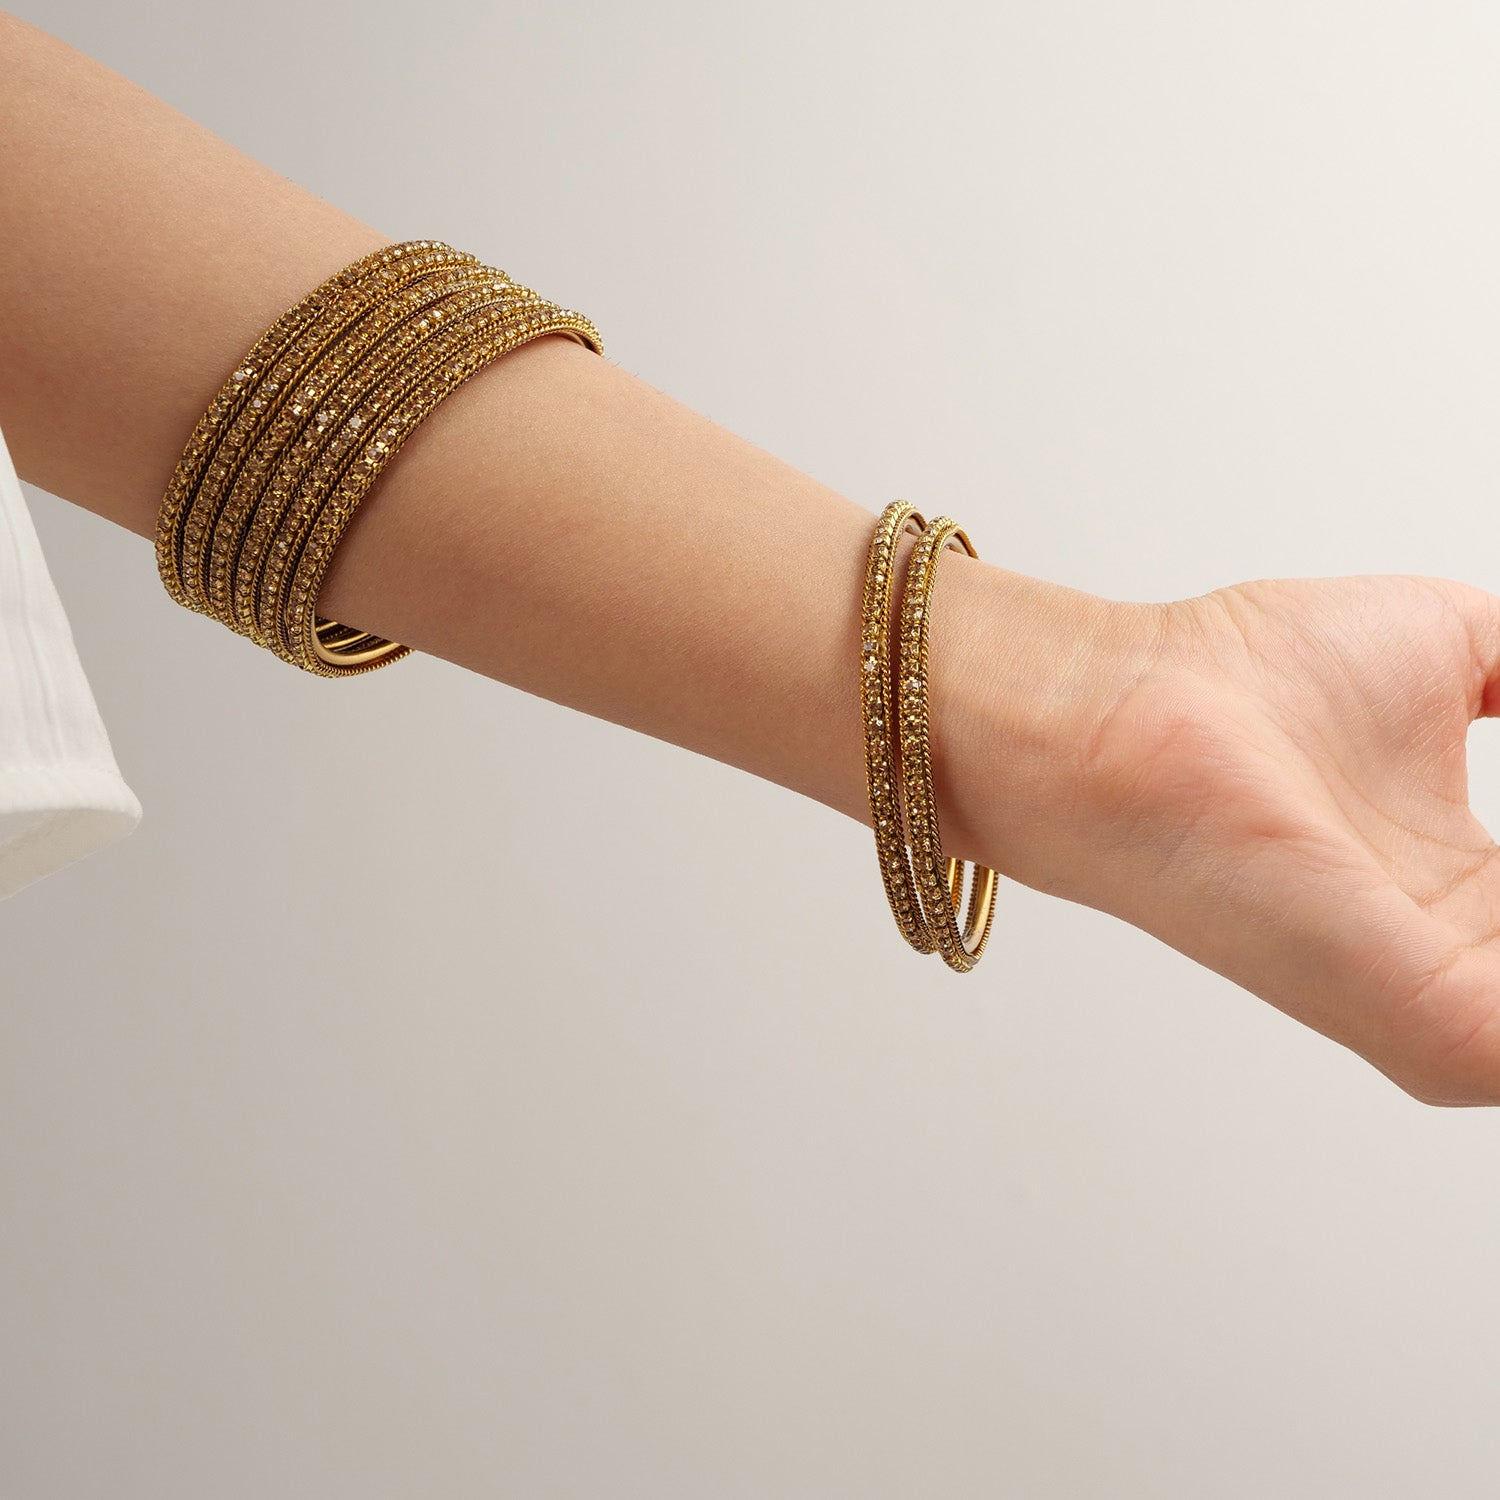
(447, 1094)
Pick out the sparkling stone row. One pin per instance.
(307, 421)
(877, 702)
(926, 894)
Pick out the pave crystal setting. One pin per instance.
(881, 760)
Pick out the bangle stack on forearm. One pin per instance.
(925, 889)
(306, 422)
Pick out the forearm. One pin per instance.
(557, 523)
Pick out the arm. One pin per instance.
(1270, 778)
(684, 583)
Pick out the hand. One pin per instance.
(1272, 779)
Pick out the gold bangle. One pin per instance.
(879, 715)
(939, 880)
(308, 420)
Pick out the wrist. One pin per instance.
(1023, 674)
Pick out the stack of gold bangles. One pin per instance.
(925, 890)
(306, 422)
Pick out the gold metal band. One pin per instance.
(308, 420)
(878, 711)
(939, 880)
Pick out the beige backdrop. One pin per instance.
(612, 1144)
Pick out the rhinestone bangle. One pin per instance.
(879, 714)
(307, 421)
(940, 880)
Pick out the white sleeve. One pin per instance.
(61, 793)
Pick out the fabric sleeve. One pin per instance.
(61, 792)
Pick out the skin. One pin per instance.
(1270, 777)
(1281, 793)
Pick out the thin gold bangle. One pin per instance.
(879, 715)
(939, 880)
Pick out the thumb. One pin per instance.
(1480, 612)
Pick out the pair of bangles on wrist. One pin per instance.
(325, 399)
(925, 887)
